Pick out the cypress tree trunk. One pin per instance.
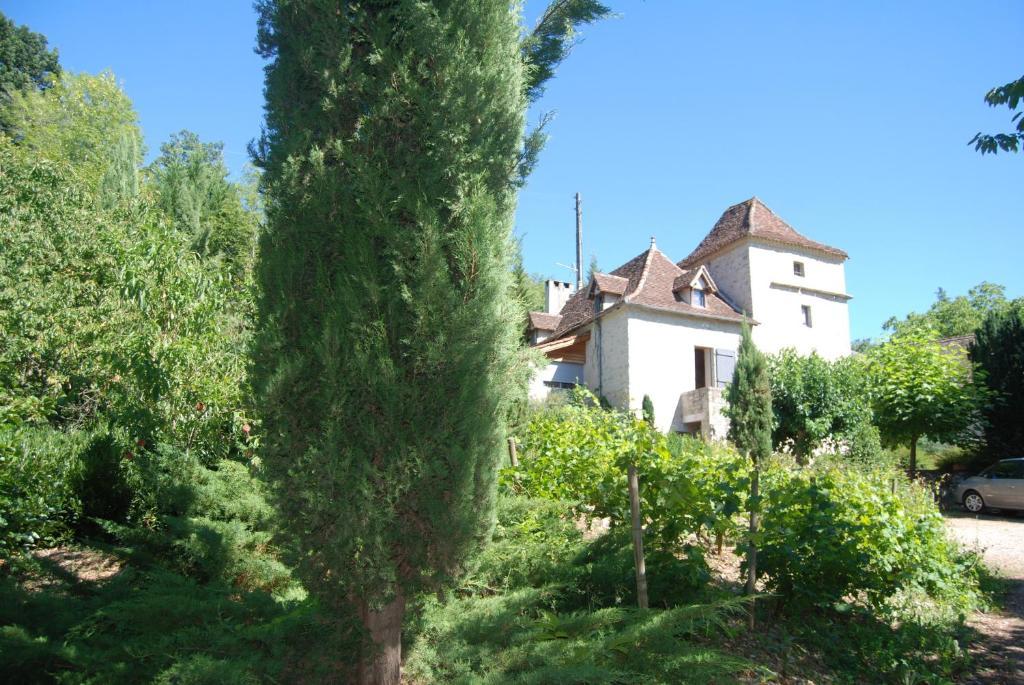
(751, 544)
(383, 665)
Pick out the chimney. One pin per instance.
(556, 294)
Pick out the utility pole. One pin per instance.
(579, 244)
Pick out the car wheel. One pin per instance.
(973, 502)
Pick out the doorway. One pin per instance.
(700, 365)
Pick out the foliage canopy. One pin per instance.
(999, 352)
(1010, 95)
(921, 388)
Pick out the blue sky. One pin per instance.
(850, 120)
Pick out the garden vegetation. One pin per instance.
(162, 523)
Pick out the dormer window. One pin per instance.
(692, 287)
(798, 269)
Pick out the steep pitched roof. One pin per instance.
(544, 322)
(579, 309)
(650, 278)
(752, 218)
(658, 288)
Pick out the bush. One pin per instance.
(104, 482)
(579, 452)
(604, 575)
(829, 535)
(39, 477)
(533, 539)
(210, 524)
(545, 606)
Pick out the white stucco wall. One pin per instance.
(661, 359)
(777, 308)
(606, 371)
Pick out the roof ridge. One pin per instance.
(643, 274)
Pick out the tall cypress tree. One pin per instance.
(999, 352)
(392, 153)
(750, 428)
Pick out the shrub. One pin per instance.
(533, 538)
(39, 474)
(831, 534)
(104, 482)
(545, 606)
(604, 574)
(210, 524)
(578, 452)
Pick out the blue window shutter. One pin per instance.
(725, 366)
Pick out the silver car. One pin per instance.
(1000, 486)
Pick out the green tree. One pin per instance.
(25, 64)
(921, 389)
(193, 189)
(108, 318)
(862, 345)
(593, 268)
(953, 316)
(553, 38)
(648, 410)
(999, 352)
(749, 410)
(529, 290)
(1009, 95)
(815, 400)
(388, 353)
(86, 122)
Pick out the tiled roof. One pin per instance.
(579, 309)
(962, 341)
(657, 291)
(544, 322)
(607, 283)
(650, 279)
(752, 218)
(688, 276)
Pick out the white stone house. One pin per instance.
(670, 330)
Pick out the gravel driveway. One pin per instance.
(999, 652)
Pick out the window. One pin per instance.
(1007, 469)
(798, 268)
(806, 311)
(698, 298)
(560, 385)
